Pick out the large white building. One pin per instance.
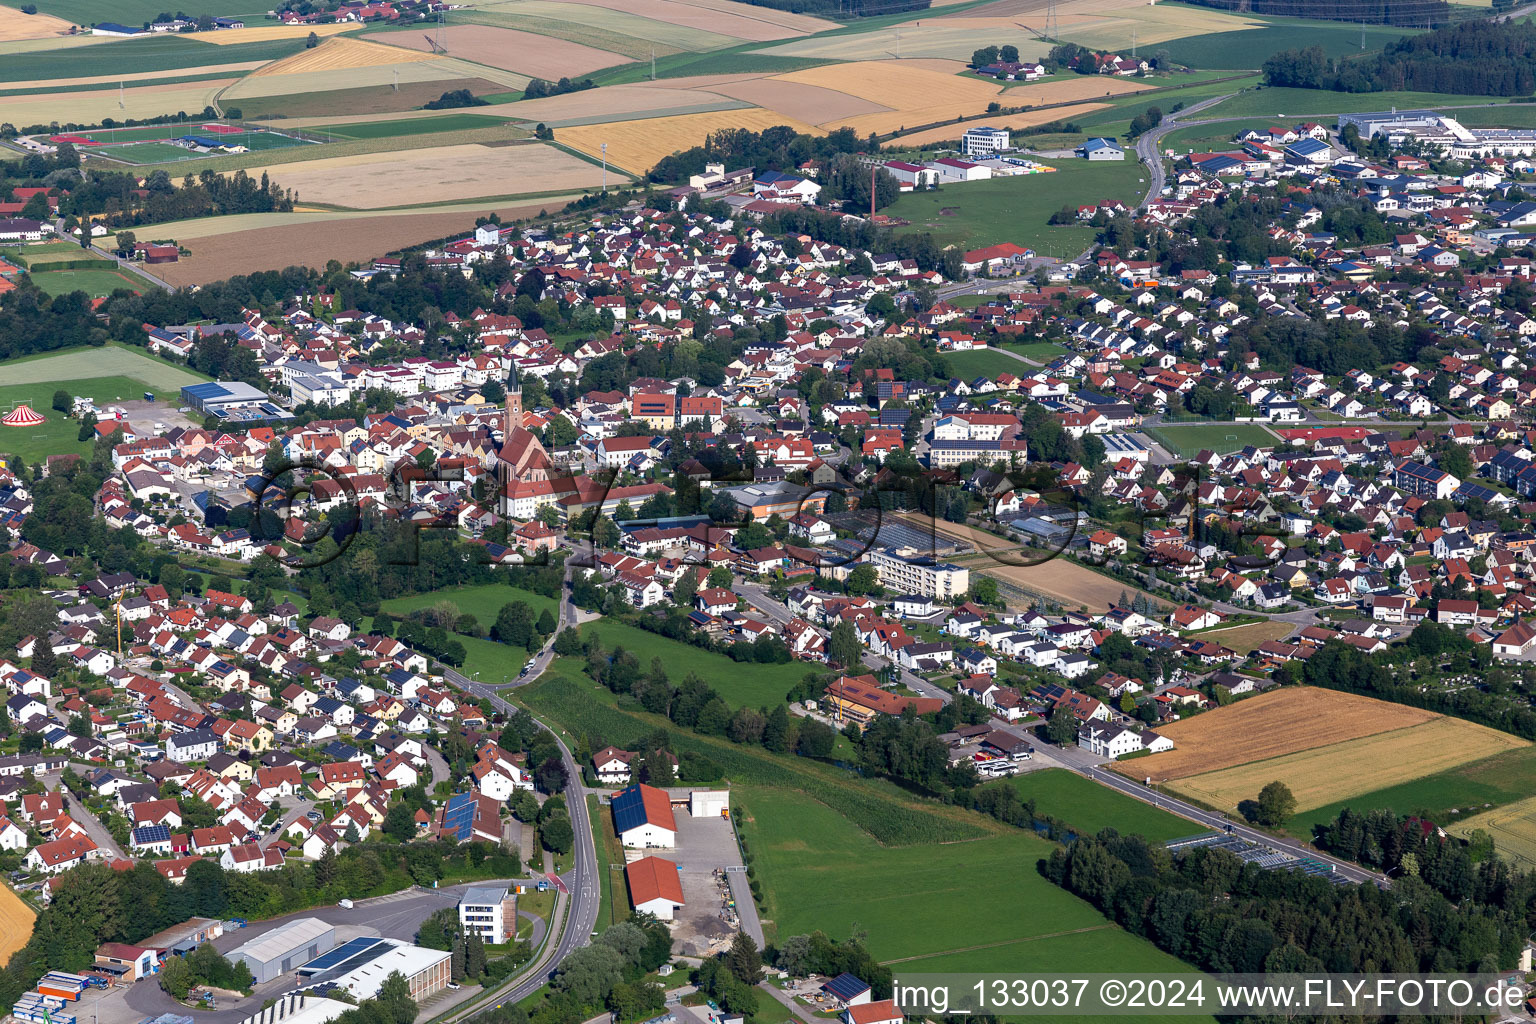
(906, 571)
(984, 141)
(489, 911)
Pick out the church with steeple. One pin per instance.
(523, 467)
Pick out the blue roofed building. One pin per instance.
(847, 990)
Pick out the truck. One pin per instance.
(345, 904)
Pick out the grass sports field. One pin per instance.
(980, 213)
(1089, 807)
(86, 363)
(1244, 639)
(95, 283)
(1190, 439)
(16, 919)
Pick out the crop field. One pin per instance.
(15, 25)
(724, 17)
(1324, 775)
(938, 38)
(1089, 807)
(445, 173)
(252, 242)
(601, 27)
(1243, 639)
(405, 126)
(95, 283)
(132, 12)
(338, 55)
(132, 57)
(637, 145)
(1513, 829)
(359, 101)
(414, 68)
(16, 919)
(913, 94)
(742, 684)
(979, 213)
(808, 103)
(264, 33)
(90, 106)
(1269, 725)
(1444, 797)
(483, 602)
(1190, 439)
(1294, 104)
(508, 49)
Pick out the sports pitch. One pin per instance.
(160, 143)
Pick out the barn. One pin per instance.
(642, 817)
(655, 887)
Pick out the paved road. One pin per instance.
(1148, 152)
(574, 915)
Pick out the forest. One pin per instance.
(844, 9)
(1398, 13)
(1210, 909)
(1479, 58)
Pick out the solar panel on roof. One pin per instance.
(152, 834)
(340, 955)
(459, 815)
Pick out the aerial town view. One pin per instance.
(767, 511)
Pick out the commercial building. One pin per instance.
(184, 937)
(655, 887)
(361, 965)
(231, 400)
(642, 817)
(860, 700)
(984, 141)
(1101, 149)
(299, 1008)
(285, 948)
(490, 911)
(906, 571)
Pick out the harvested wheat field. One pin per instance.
(1271, 725)
(1066, 90)
(445, 173)
(913, 95)
(944, 133)
(91, 106)
(339, 55)
(933, 39)
(1338, 771)
(418, 67)
(809, 103)
(266, 33)
(523, 52)
(322, 237)
(637, 145)
(146, 77)
(16, 25)
(743, 21)
(16, 919)
(1513, 828)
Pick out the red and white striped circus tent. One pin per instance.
(21, 416)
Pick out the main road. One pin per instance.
(575, 914)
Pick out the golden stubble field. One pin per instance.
(637, 145)
(16, 25)
(444, 173)
(1323, 775)
(16, 919)
(1270, 725)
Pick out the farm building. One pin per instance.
(642, 817)
(285, 947)
(709, 803)
(655, 887)
(881, 1011)
(847, 990)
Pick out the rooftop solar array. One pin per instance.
(152, 834)
(459, 815)
(1263, 856)
(342, 953)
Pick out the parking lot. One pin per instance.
(707, 858)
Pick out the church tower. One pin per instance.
(514, 405)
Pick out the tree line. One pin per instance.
(1398, 13)
(1482, 58)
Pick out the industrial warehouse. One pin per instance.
(284, 948)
